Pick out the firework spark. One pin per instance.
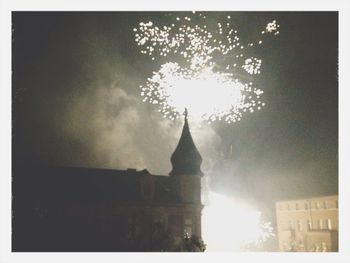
(202, 68)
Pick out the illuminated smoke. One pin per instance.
(232, 225)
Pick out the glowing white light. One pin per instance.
(229, 225)
(221, 96)
(200, 72)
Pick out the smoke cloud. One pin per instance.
(119, 131)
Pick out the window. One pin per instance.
(329, 224)
(287, 206)
(158, 220)
(296, 206)
(320, 223)
(309, 225)
(300, 225)
(325, 204)
(291, 226)
(306, 206)
(188, 227)
(317, 204)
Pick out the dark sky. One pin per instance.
(76, 102)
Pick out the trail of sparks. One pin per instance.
(203, 68)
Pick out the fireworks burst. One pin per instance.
(206, 71)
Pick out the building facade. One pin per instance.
(308, 225)
(84, 209)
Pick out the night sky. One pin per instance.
(76, 102)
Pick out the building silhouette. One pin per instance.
(308, 225)
(83, 209)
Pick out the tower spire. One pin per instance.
(186, 159)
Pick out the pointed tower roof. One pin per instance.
(186, 158)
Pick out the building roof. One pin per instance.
(308, 197)
(73, 184)
(186, 159)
